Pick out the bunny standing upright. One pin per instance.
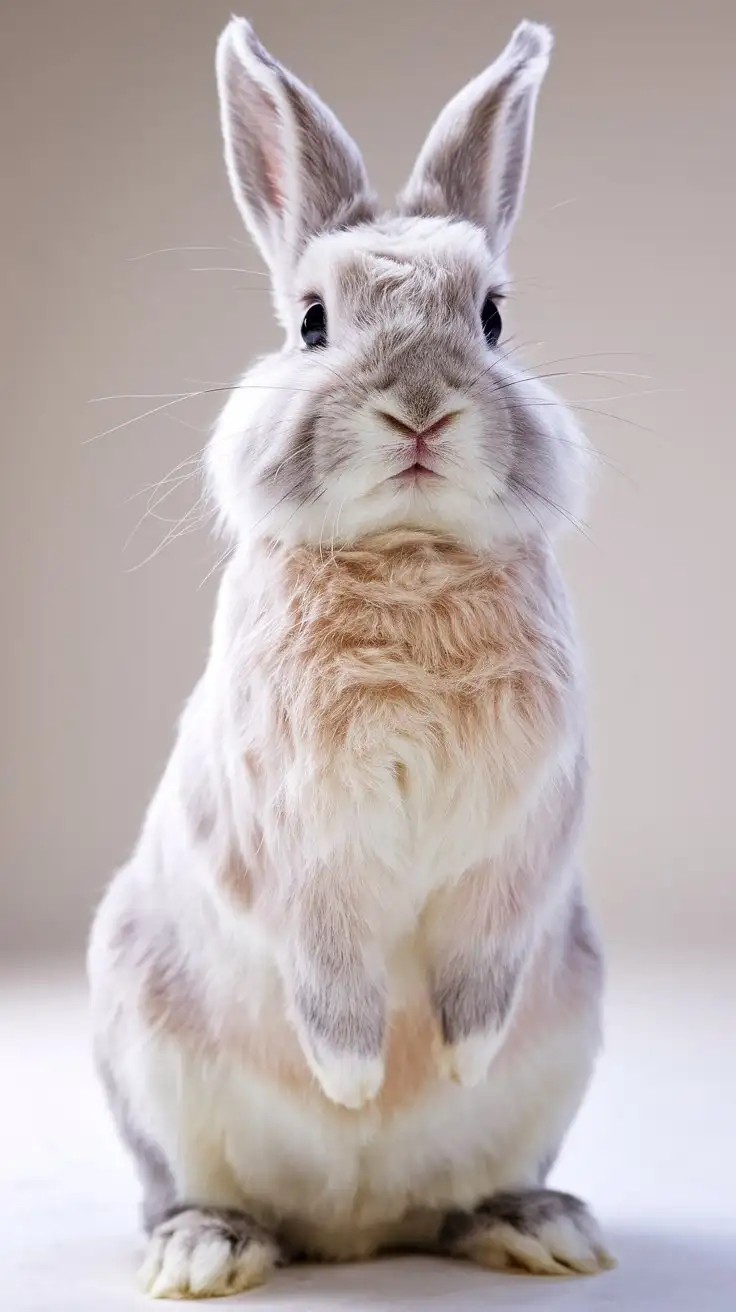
(346, 992)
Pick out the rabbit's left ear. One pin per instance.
(474, 162)
(293, 169)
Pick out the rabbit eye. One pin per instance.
(491, 319)
(314, 325)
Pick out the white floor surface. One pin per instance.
(654, 1152)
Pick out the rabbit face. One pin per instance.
(395, 401)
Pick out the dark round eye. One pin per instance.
(491, 320)
(314, 325)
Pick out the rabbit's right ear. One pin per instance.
(293, 169)
(473, 164)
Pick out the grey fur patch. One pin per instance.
(336, 998)
(547, 1164)
(583, 940)
(473, 164)
(455, 176)
(151, 1165)
(518, 132)
(334, 187)
(476, 1000)
(537, 475)
(294, 471)
(345, 1023)
(526, 1210)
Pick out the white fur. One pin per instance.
(191, 1262)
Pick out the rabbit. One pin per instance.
(346, 993)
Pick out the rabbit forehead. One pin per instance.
(399, 252)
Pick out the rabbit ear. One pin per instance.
(293, 169)
(473, 164)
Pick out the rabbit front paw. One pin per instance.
(341, 1035)
(207, 1252)
(473, 1007)
(467, 1061)
(347, 1078)
(542, 1231)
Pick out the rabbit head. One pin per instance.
(393, 401)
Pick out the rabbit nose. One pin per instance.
(419, 435)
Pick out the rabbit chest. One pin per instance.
(398, 696)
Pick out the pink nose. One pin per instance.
(424, 433)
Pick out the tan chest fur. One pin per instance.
(403, 658)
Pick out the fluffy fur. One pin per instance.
(346, 990)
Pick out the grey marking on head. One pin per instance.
(419, 325)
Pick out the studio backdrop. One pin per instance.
(127, 275)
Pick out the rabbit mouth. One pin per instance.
(415, 474)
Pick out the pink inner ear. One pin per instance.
(272, 146)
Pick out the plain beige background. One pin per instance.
(625, 266)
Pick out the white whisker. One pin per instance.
(170, 250)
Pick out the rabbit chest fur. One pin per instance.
(395, 707)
